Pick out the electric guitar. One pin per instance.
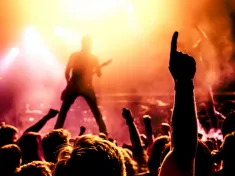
(100, 66)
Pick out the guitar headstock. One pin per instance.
(107, 62)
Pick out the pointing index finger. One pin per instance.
(174, 44)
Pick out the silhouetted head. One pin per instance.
(52, 142)
(228, 152)
(158, 147)
(30, 145)
(86, 43)
(92, 155)
(36, 168)
(10, 159)
(8, 135)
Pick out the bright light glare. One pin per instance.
(129, 8)
(32, 41)
(90, 9)
(65, 34)
(31, 119)
(13, 53)
(9, 58)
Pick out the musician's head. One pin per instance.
(86, 43)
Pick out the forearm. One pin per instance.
(210, 106)
(134, 136)
(38, 126)
(139, 154)
(149, 133)
(184, 123)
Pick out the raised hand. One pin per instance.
(147, 119)
(52, 113)
(126, 113)
(181, 66)
(82, 130)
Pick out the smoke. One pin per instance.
(140, 57)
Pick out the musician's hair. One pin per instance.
(52, 142)
(86, 39)
(86, 42)
(10, 159)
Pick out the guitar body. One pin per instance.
(77, 86)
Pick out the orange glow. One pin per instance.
(136, 33)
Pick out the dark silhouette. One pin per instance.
(8, 134)
(31, 147)
(81, 64)
(10, 159)
(180, 160)
(52, 142)
(139, 153)
(42, 122)
(155, 153)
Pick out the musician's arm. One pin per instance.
(97, 67)
(68, 68)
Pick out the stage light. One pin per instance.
(32, 41)
(14, 52)
(31, 119)
(9, 58)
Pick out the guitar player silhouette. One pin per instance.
(81, 66)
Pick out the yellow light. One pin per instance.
(90, 9)
(129, 8)
(32, 41)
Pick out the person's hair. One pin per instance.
(60, 168)
(157, 148)
(10, 159)
(7, 133)
(86, 39)
(52, 142)
(86, 42)
(131, 165)
(92, 155)
(36, 168)
(30, 145)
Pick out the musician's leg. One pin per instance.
(68, 100)
(92, 102)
